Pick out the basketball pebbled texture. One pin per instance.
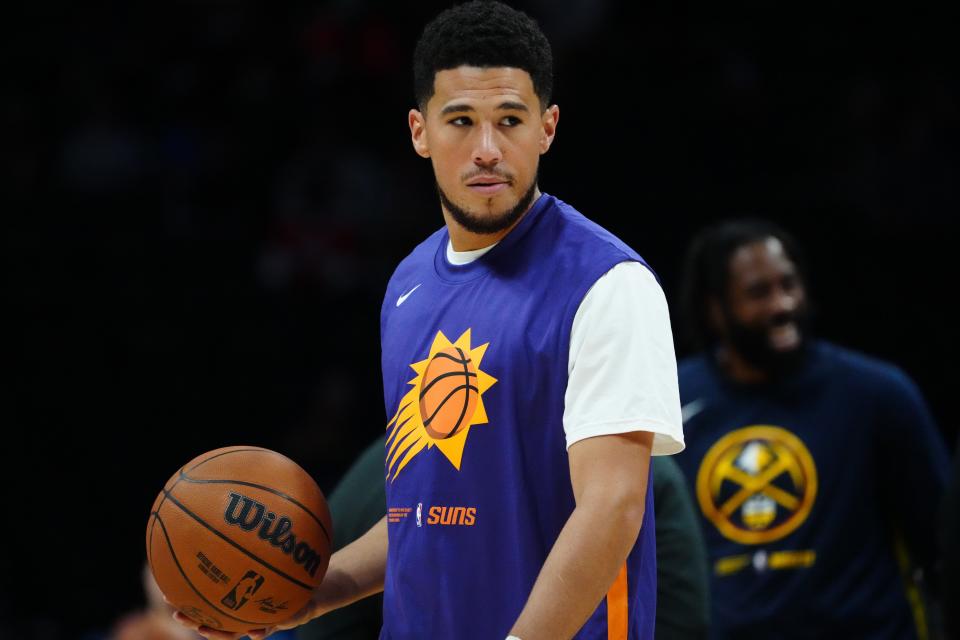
(239, 538)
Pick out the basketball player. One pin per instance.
(810, 463)
(529, 370)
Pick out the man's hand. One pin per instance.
(355, 572)
(208, 632)
(304, 615)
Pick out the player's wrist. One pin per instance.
(324, 599)
(338, 589)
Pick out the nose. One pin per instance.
(784, 300)
(487, 152)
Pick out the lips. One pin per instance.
(487, 185)
(785, 336)
(485, 181)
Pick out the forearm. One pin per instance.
(583, 564)
(355, 572)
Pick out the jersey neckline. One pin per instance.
(481, 266)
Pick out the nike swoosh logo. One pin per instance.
(401, 299)
(691, 409)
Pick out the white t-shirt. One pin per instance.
(622, 370)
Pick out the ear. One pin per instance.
(548, 123)
(418, 132)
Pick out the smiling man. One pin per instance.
(528, 373)
(810, 463)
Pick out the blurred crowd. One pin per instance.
(206, 200)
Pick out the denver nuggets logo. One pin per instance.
(445, 401)
(757, 484)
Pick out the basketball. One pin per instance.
(239, 538)
(449, 393)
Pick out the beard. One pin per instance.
(494, 222)
(753, 343)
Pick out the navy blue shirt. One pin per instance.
(801, 485)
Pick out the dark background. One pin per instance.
(205, 201)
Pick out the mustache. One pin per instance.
(487, 173)
(782, 319)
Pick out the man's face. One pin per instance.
(484, 131)
(765, 315)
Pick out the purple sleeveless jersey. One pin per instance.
(478, 486)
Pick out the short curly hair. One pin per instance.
(482, 33)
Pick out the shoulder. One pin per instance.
(626, 281)
(589, 257)
(694, 372)
(585, 234)
(420, 257)
(410, 271)
(423, 252)
(869, 373)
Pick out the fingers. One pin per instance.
(260, 634)
(216, 634)
(207, 632)
(185, 621)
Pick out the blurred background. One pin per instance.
(203, 203)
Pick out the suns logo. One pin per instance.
(444, 402)
(757, 484)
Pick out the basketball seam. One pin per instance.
(466, 396)
(153, 524)
(190, 583)
(449, 395)
(237, 546)
(205, 461)
(326, 533)
(426, 389)
(441, 354)
(226, 453)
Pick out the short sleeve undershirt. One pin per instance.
(622, 370)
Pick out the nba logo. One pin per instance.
(419, 514)
(247, 586)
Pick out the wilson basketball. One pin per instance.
(448, 395)
(239, 538)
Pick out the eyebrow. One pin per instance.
(465, 108)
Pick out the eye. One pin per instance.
(789, 282)
(511, 121)
(461, 121)
(758, 290)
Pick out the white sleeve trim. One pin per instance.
(622, 371)
(664, 443)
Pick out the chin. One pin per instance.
(787, 349)
(504, 200)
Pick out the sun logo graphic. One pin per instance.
(445, 401)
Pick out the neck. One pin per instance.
(738, 369)
(463, 240)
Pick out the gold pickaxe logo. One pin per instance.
(757, 484)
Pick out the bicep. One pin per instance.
(611, 467)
